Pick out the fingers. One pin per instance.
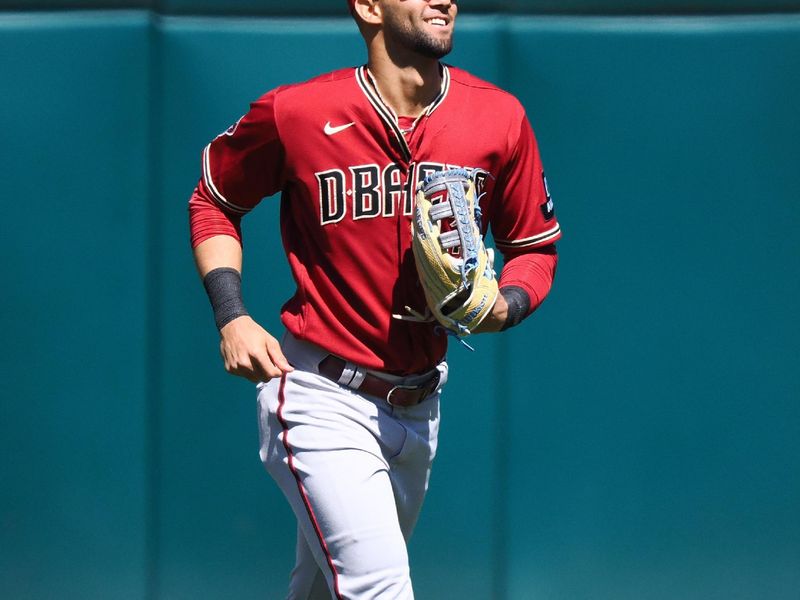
(269, 361)
(277, 358)
(254, 367)
(249, 351)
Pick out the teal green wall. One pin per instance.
(337, 7)
(74, 227)
(639, 437)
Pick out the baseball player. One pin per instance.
(349, 398)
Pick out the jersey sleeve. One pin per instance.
(533, 272)
(207, 219)
(245, 163)
(525, 218)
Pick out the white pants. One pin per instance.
(355, 471)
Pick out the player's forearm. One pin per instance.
(219, 263)
(247, 349)
(510, 308)
(217, 252)
(525, 281)
(532, 272)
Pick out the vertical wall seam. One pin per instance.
(499, 585)
(153, 283)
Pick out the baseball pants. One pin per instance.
(354, 469)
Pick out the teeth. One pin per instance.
(441, 22)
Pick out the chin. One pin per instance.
(432, 48)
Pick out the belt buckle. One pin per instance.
(425, 389)
(400, 387)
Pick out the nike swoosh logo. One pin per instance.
(330, 130)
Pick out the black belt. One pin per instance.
(332, 367)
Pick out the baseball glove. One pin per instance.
(455, 268)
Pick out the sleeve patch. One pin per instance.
(547, 207)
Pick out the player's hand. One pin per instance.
(250, 352)
(495, 320)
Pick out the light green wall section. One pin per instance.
(637, 437)
(74, 171)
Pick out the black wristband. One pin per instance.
(519, 305)
(224, 289)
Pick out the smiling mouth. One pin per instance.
(437, 22)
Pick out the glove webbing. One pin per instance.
(457, 208)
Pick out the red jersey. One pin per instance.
(347, 168)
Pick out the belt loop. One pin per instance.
(358, 378)
(347, 374)
(352, 375)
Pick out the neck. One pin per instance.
(408, 86)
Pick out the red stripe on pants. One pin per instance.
(301, 489)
